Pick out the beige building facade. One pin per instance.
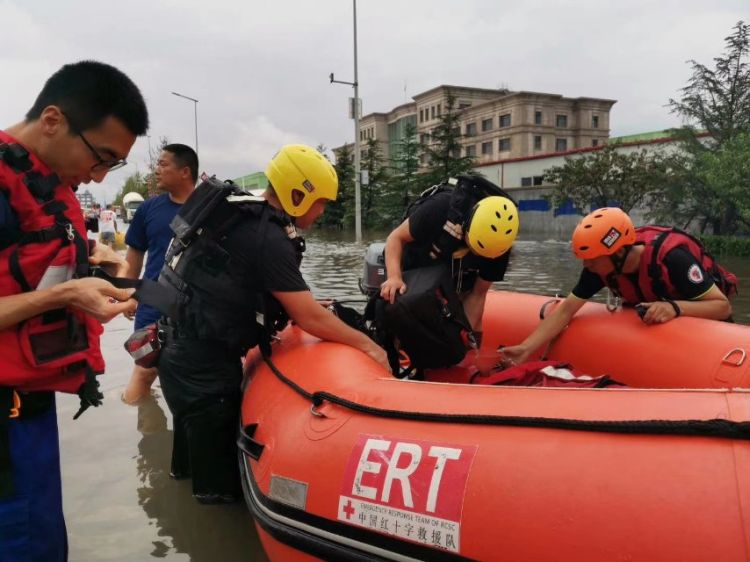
(497, 125)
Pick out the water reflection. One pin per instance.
(333, 266)
(183, 525)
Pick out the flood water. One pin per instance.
(120, 503)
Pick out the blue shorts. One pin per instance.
(145, 315)
(32, 527)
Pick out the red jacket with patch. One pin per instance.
(53, 350)
(653, 276)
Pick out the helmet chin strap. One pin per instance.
(619, 261)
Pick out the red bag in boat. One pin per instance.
(544, 373)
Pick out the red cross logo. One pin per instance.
(348, 509)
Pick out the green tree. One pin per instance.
(407, 181)
(145, 184)
(727, 171)
(715, 101)
(134, 182)
(377, 177)
(153, 158)
(606, 177)
(340, 213)
(444, 147)
(323, 149)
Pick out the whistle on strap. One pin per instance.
(15, 410)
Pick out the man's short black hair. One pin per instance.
(88, 92)
(184, 156)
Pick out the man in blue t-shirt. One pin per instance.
(149, 233)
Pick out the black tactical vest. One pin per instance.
(216, 296)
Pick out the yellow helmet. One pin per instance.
(301, 168)
(492, 226)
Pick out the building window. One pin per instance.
(486, 125)
(594, 142)
(594, 122)
(537, 142)
(438, 112)
(537, 118)
(505, 120)
(487, 147)
(471, 150)
(471, 129)
(432, 112)
(504, 144)
(561, 145)
(561, 121)
(421, 115)
(424, 138)
(529, 181)
(456, 131)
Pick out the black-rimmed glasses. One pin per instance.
(102, 163)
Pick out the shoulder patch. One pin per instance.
(695, 275)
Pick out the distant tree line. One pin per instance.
(392, 186)
(706, 182)
(143, 183)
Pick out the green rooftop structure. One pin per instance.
(641, 137)
(256, 180)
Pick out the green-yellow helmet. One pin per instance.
(301, 168)
(492, 227)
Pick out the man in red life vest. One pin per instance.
(663, 271)
(81, 126)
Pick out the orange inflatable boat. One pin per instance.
(341, 461)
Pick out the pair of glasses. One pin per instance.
(102, 163)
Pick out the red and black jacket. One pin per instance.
(653, 277)
(55, 350)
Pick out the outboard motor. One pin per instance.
(374, 271)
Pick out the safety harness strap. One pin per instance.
(6, 469)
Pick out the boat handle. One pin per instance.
(247, 444)
(315, 412)
(543, 310)
(739, 361)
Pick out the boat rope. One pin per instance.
(690, 427)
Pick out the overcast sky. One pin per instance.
(260, 68)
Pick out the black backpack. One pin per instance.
(427, 323)
(466, 191)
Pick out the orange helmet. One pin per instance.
(602, 233)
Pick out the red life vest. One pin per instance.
(653, 277)
(54, 350)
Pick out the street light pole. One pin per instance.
(195, 104)
(355, 111)
(357, 164)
